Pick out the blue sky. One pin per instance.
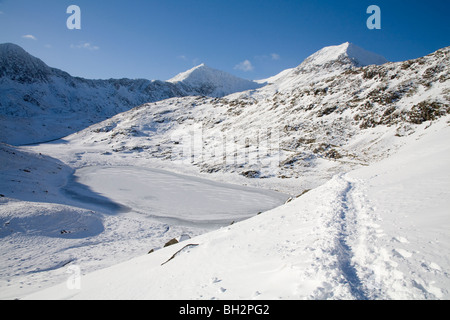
(252, 39)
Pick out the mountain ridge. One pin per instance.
(57, 104)
(43, 103)
(316, 123)
(16, 62)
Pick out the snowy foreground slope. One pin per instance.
(380, 232)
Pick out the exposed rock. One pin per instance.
(171, 242)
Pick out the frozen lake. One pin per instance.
(170, 197)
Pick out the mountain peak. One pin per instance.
(8, 48)
(13, 52)
(346, 52)
(20, 65)
(324, 63)
(188, 73)
(213, 82)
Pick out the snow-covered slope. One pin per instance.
(324, 63)
(39, 103)
(18, 65)
(350, 234)
(380, 232)
(211, 82)
(346, 52)
(310, 133)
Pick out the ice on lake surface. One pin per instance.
(169, 196)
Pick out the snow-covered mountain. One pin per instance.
(352, 117)
(20, 66)
(360, 145)
(346, 53)
(326, 62)
(39, 103)
(211, 82)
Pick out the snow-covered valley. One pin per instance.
(358, 145)
(379, 232)
(95, 217)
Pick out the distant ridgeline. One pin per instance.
(40, 103)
